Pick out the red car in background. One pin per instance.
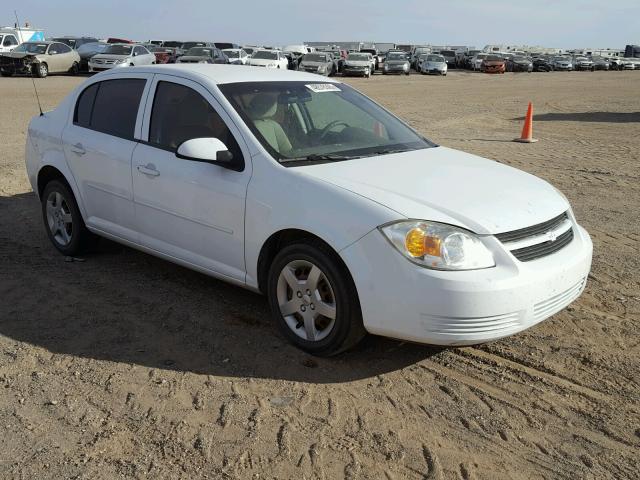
(118, 40)
(493, 64)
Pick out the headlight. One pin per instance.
(322, 68)
(438, 246)
(122, 60)
(202, 61)
(271, 65)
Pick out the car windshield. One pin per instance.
(435, 58)
(199, 52)
(118, 50)
(299, 121)
(249, 50)
(36, 48)
(232, 53)
(265, 55)
(358, 57)
(493, 58)
(172, 44)
(314, 57)
(520, 58)
(188, 45)
(93, 47)
(448, 53)
(67, 41)
(396, 56)
(481, 56)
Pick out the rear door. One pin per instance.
(98, 143)
(190, 210)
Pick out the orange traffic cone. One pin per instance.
(527, 131)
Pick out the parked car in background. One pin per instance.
(600, 63)
(467, 56)
(88, 50)
(519, 63)
(269, 59)
(75, 42)
(450, 58)
(299, 187)
(203, 55)
(236, 56)
(421, 59)
(40, 59)
(11, 37)
(396, 62)
(163, 54)
(358, 64)
(321, 63)
(187, 45)
(542, 64)
(375, 55)
(120, 55)
(562, 63)
(226, 45)
(434, 65)
(250, 49)
(119, 40)
(493, 64)
(476, 62)
(416, 51)
(583, 63)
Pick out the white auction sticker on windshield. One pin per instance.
(323, 87)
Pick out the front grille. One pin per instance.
(539, 250)
(539, 240)
(532, 231)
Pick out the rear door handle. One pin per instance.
(148, 170)
(78, 149)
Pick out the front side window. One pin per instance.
(298, 121)
(10, 40)
(62, 48)
(180, 113)
(110, 106)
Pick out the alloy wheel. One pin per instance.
(306, 300)
(59, 219)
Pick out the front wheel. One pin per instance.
(313, 299)
(41, 70)
(62, 219)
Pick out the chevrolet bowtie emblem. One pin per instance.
(552, 236)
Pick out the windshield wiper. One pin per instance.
(390, 150)
(318, 157)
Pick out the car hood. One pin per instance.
(313, 64)
(13, 54)
(110, 56)
(358, 63)
(493, 63)
(448, 186)
(262, 61)
(194, 58)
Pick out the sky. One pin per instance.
(559, 24)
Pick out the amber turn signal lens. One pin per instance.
(419, 244)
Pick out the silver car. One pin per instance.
(562, 63)
(119, 55)
(434, 65)
(319, 62)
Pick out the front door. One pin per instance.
(190, 210)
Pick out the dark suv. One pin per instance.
(75, 42)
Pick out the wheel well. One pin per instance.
(46, 174)
(275, 243)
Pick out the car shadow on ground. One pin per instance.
(604, 117)
(120, 305)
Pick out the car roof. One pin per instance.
(223, 74)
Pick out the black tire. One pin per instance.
(80, 236)
(75, 69)
(6, 74)
(347, 329)
(41, 70)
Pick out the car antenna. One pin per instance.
(32, 80)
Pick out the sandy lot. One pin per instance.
(128, 366)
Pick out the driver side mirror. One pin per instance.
(208, 149)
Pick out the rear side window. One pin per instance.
(111, 106)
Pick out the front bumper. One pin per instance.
(355, 71)
(101, 67)
(408, 302)
(17, 66)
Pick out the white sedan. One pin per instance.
(269, 59)
(301, 188)
(119, 55)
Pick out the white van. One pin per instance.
(11, 37)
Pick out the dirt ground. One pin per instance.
(128, 366)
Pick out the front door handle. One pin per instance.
(78, 149)
(148, 170)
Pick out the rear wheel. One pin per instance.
(313, 299)
(75, 68)
(62, 219)
(6, 74)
